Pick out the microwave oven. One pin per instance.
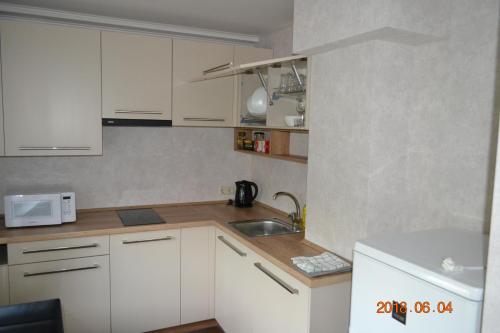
(28, 210)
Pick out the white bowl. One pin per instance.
(292, 120)
(257, 103)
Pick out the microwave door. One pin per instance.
(33, 210)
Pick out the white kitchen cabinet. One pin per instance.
(256, 299)
(82, 285)
(145, 281)
(4, 285)
(197, 274)
(51, 77)
(253, 295)
(280, 302)
(56, 249)
(233, 285)
(204, 103)
(136, 76)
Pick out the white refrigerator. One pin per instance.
(400, 283)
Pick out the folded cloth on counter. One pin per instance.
(325, 263)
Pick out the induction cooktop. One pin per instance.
(132, 217)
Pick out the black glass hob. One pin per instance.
(132, 217)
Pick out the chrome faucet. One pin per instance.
(294, 216)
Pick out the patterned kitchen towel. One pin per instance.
(323, 264)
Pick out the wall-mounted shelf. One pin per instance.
(279, 143)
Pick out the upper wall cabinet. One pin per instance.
(136, 76)
(51, 89)
(208, 103)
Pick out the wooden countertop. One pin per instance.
(276, 249)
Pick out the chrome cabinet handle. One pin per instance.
(61, 248)
(231, 246)
(147, 240)
(279, 281)
(53, 148)
(64, 270)
(217, 68)
(138, 111)
(203, 119)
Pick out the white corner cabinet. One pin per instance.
(253, 295)
(211, 102)
(136, 76)
(197, 274)
(51, 77)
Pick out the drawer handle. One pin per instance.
(279, 281)
(203, 119)
(147, 240)
(53, 148)
(61, 248)
(234, 248)
(217, 68)
(138, 111)
(64, 270)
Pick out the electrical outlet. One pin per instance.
(226, 190)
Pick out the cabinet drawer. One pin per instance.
(23, 253)
(81, 284)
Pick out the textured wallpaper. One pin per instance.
(139, 166)
(400, 135)
(492, 289)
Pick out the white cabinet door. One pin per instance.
(81, 284)
(280, 303)
(4, 285)
(145, 281)
(205, 103)
(233, 285)
(136, 76)
(197, 274)
(51, 78)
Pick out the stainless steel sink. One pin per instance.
(263, 227)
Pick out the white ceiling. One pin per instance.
(239, 16)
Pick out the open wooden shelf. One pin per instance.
(279, 144)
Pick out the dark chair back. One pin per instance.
(39, 317)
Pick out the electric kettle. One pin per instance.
(244, 194)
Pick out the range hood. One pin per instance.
(136, 122)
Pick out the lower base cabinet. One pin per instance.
(233, 285)
(145, 281)
(197, 274)
(82, 285)
(253, 295)
(4, 285)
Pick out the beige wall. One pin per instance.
(281, 41)
(139, 166)
(276, 175)
(492, 290)
(400, 134)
